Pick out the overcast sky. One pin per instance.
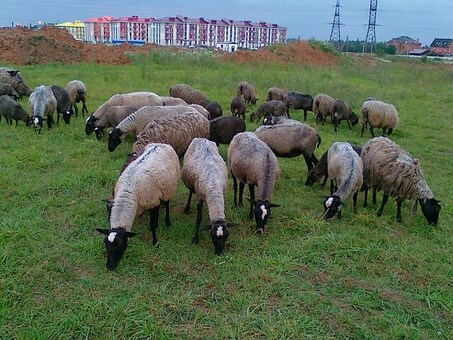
(418, 19)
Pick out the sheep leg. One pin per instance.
(349, 125)
(363, 128)
(383, 132)
(331, 187)
(398, 210)
(389, 131)
(305, 115)
(384, 202)
(309, 162)
(374, 201)
(187, 207)
(241, 192)
(84, 109)
(58, 118)
(153, 222)
(167, 213)
(323, 185)
(235, 189)
(196, 236)
(354, 201)
(252, 199)
(371, 130)
(365, 198)
(76, 110)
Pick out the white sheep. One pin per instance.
(78, 93)
(322, 107)
(389, 168)
(137, 121)
(252, 162)
(176, 130)
(136, 99)
(378, 114)
(204, 173)
(345, 170)
(42, 104)
(147, 183)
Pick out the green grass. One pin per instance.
(361, 277)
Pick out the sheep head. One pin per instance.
(115, 139)
(332, 206)
(219, 234)
(116, 244)
(90, 124)
(430, 209)
(67, 116)
(262, 212)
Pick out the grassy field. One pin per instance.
(361, 277)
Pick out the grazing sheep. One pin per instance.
(177, 130)
(247, 92)
(10, 109)
(172, 101)
(252, 162)
(188, 94)
(204, 173)
(223, 129)
(320, 169)
(14, 78)
(342, 111)
(389, 168)
(275, 93)
(136, 99)
(214, 109)
(63, 103)
(78, 93)
(298, 101)
(345, 170)
(238, 107)
(42, 104)
(7, 89)
(111, 118)
(146, 183)
(291, 140)
(378, 114)
(269, 108)
(137, 121)
(322, 107)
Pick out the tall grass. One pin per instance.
(361, 277)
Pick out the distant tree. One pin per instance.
(390, 49)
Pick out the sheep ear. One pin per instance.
(273, 205)
(103, 231)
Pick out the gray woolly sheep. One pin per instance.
(188, 94)
(252, 162)
(136, 99)
(10, 109)
(78, 93)
(63, 103)
(214, 109)
(378, 114)
(275, 93)
(137, 121)
(389, 168)
(42, 104)
(223, 129)
(204, 173)
(320, 169)
(322, 107)
(247, 92)
(298, 101)
(177, 130)
(7, 89)
(270, 108)
(172, 101)
(342, 111)
(345, 170)
(111, 118)
(238, 107)
(147, 183)
(291, 140)
(14, 78)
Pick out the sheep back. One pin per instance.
(188, 94)
(275, 93)
(223, 129)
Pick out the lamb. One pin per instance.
(137, 121)
(177, 130)
(320, 169)
(389, 168)
(247, 92)
(7, 89)
(342, 111)
(378, 114)
(111, 118)
(269, 108)
(136, 99)
(204, 173)
(345, 169)
(147, 183)
(14, 78)
(63, 103)
(291, 140)
(78, 93)
(275, 93)
(298, 101)
(322, 107)
(10, 109)
(223, 129)
(252, 162)
(238, 107)
(42, 104)
(188, 94)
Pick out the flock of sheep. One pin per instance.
(186, 124)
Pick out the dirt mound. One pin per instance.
(49, 44)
